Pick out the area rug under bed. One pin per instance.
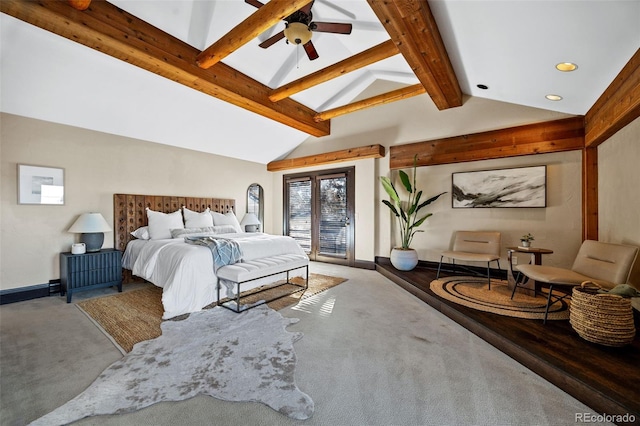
(135, 316)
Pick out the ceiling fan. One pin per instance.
(299, 27)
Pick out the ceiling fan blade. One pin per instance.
(311, 50)
(330, 27)
(272, 40)
(307, 8)
(254, 3)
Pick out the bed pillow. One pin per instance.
(161, 224)
(230, 218)
(181, 232)
(224, 229)
(197, 220)
(205, 230)
(141, 233)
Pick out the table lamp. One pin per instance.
(250, 222)
(91, 227)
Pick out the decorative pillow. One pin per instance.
(161, 224)
(141, 233)
(197, 220)
(181, 232)
(226, 219)
(224, 229)
(205, 230)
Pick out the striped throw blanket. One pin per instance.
(223, 250)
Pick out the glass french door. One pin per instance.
(318, 214)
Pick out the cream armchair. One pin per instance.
(474, 246)
(605, 264)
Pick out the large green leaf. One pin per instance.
(390, 189)
(405, 181)
(430, 200)
(414, 207)
(419, 222)
(393, 209)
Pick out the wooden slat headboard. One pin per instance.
(129, 211)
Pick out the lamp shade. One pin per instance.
(297, 33)
(91, 227)
(90, 222)
(250, 220)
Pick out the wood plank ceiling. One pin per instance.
(108, 29)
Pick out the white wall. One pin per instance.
(97, 165)
(619, 190)
(557, 227)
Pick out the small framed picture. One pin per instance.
(40, 185)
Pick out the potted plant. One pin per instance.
(404, 257)
(526, 240)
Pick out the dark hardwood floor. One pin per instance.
(604, 378)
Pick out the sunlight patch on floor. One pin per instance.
(325, 307)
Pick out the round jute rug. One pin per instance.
(473, 292)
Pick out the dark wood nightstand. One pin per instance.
(88, 271)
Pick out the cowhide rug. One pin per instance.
(233, 357)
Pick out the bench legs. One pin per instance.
(239, 308)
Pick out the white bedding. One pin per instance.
(185, 271)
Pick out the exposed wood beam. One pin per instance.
(385, 98)
(264, 18)
(377, 53)
(618, 106)
(590, 193)
(412, 27)
(360, 153)
(539, 138)
(110, 30)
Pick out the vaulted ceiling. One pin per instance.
(192, 73)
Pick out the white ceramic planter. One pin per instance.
(404, 260)
(525, 243)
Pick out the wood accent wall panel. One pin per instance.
(129, 211)
(590, 194)
(538, 138)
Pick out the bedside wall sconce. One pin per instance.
(91, 227)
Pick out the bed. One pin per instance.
(185, 271)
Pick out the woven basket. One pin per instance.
(605, 319)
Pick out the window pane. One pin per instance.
(300, 212)
(333, 216)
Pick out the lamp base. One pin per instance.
(251, 228)
(92, 240)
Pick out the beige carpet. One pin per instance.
(474, 293)
(134, 316)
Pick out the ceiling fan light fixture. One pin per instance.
(297, 33)
(566, 66)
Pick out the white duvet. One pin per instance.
(185, 271)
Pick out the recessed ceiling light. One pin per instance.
(566, 66)
(554, 97)
(482, 86)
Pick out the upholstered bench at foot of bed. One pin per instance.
(243, 272)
